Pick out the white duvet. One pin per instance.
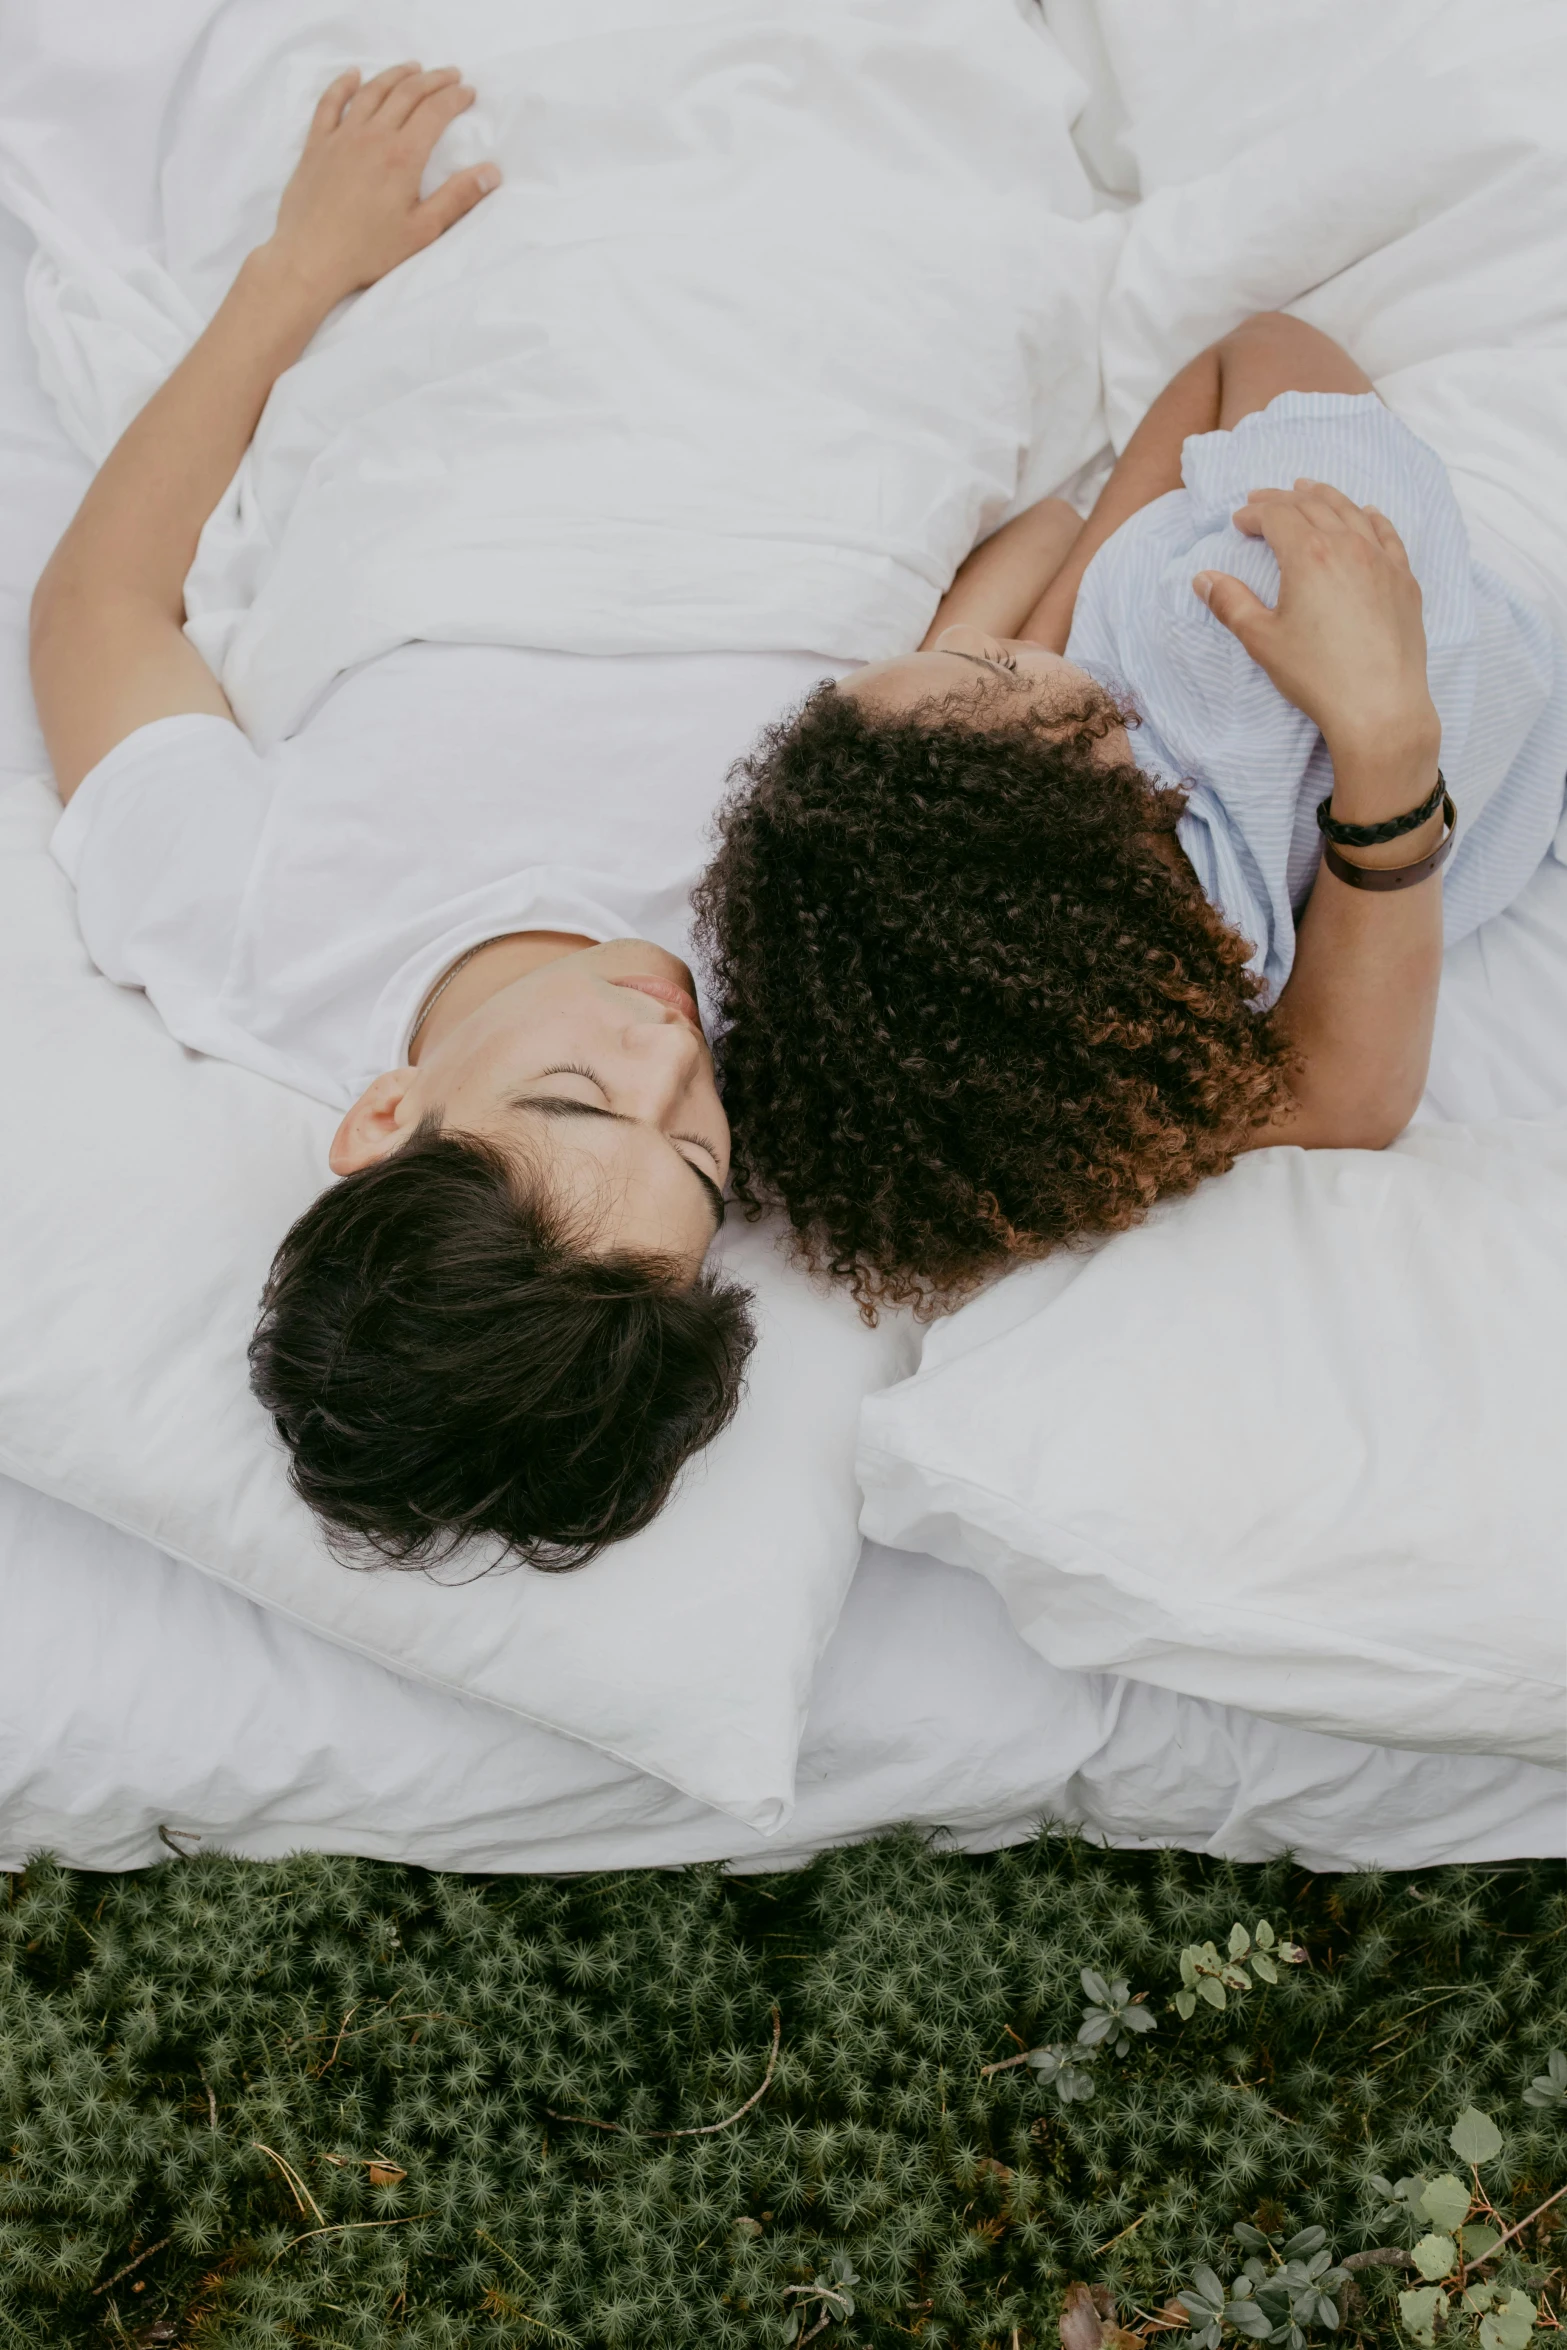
(753, 342)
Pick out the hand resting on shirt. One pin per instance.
(1345, 642)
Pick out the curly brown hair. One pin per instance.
(969, 1012)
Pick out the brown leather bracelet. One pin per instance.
(1395, 876)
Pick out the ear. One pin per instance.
(383, 1117)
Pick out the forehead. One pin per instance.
(919, 677)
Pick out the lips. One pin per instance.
(664, 991)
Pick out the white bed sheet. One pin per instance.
(144, 1696)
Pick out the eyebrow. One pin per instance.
(557, 1105)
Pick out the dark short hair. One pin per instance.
(968, 1012)
(444, 1361)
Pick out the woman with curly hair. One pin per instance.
(1122, 873)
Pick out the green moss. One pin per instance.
(216, 2053)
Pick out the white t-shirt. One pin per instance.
(290, 912)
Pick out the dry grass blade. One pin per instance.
(696, 2130)
(296, 2185)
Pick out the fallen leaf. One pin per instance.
(1082, 2327)
(385, 2174)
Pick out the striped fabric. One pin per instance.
(1253, 767)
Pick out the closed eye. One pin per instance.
(982, 660)
(575, 1069)
(560, 1107)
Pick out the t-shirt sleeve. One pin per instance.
(159, 839)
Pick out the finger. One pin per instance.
(1232, 603)
(1329, 506)
(1278, 516)
(1386, 536)
(432, 114)
(329, 107)
(370, 97)
(453, 198)
(412, 91)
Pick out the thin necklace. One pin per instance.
(443, 983)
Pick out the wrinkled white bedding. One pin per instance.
(141, 1693)
(1394, 176)
(546, 430)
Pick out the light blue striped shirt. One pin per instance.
(1252, 766)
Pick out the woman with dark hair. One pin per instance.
(1124, 872)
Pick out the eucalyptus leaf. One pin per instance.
(1445, 2202)
(1240, 1941)
(1188, 1970)
(1510, 2324)
(1419, 2311)
(1263, 1967)
(1474, 2137)
(1247, 2318)
(1185, 2003)
(1549, 2089)
(1262, 1934)
(1211, 1989)
(1436, 2256)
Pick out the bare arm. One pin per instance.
(109, 651)
(998, 586)
(1234, 377)
(1346, 644)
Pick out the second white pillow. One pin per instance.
(1293, 1445)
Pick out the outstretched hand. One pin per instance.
(352, 210)
(1346, 642)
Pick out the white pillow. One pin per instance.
(1294, 1445)
(145, 1189)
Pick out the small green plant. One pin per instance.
(1210, 1975)
(1280, 2291)
(828, 2293)
(1115, 2016)
(1548, 2090)
(1063, 2069)
(1460, 2232)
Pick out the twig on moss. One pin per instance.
(699, 2130)
(1385, 2258)
(1004, 2064)
(162, 2245)
(1518, 2228)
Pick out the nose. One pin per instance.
(961, 638)
(662, 1055)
